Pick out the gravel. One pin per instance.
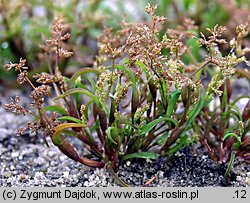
(34, 164)
(26, 161)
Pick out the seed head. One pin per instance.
(15, 107)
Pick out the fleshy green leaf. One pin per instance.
(208, 100)
(234, 110)
(239, 98)
(146, 128)
(55, 108)
(172, 99)
(110, 133)
(81, 91)
(196, 109)
(69, 118)
(178, 146)
(128, 71)
(143, 155)
(81, 72)
(143, 67)
(57, 138)
(238, 139)
(233, 127)
(79, 85)
(92, 82)
(195, 48)
(162, 139)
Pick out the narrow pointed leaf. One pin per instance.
(81, 72)
(239, 98)
(238, 139)
(81, 91)
(109, 134)
(55, 108)
(196, 109)
(231, 129)
(207, 101)
(146, 128)
(143, 155)
(172, 99)
(57, 139)
(92, 82)
(178, 146)
(162, 139)
(69, 118)
(143, 67)
(128, 71)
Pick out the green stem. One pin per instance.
(115, 176)
(200, 68)
(231, 163)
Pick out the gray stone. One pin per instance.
(248, 174)
(4, 133)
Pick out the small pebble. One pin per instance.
(14, 154)
(247, 181)
(66, 174)
(238, 178)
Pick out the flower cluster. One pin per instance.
(140, 114)
(150, 9)
(215, 84)
(21, 68)
(18, 66)
(121, 92)
(39, 92)
(105, 81)
(57, 37)
(15, 107)
(215, 38)
(45, 78)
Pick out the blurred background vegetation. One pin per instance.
(25, 25)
